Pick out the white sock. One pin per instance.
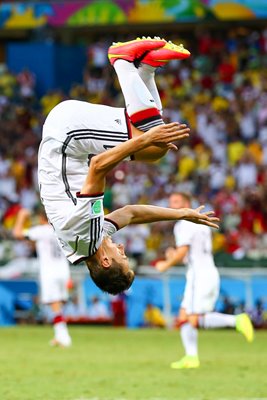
(147, 73)
(60, 328)
(217, 320)
(136, 95)
(62, 333)
(189, 336)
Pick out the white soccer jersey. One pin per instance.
(73, 131)
(52, 260)
(198, 238)
(54, 268)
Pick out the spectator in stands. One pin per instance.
(153, 317)
(227, 307)
(98, 309)
(74, 309)
(118, 308)
(26, 81)
(136, 246)
(258, 316)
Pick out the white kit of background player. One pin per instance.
(54, 272)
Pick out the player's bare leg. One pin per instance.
(61, 333)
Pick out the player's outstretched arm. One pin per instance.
(139, 214)
(173, 257)
(101, 164)
(18, 230)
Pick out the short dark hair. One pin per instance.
(112, 280)
(39, 210)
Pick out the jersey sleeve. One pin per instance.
(110, 227)
(183, 232)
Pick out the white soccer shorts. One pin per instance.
(201, 292)
(54, 289)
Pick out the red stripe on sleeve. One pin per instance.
(78, 194)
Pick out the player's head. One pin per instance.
(180, 200)
(40, 213)
(109, 268)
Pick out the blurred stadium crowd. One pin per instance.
(221, 92)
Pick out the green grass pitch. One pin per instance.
(118, 364)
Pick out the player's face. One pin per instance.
(177, 201)
(117, 252)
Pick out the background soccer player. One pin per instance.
(194, 247)
(54, 270)
(73, 194)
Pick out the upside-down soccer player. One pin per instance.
(194, 246)
(73, 194)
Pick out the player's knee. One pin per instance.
(193, 320)
(181, 321)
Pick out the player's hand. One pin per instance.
(161, 266)
(164, 135)
(206, 218)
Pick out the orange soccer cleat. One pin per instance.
(171, 51)
(134, 49)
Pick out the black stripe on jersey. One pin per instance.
(92, 249)
(97, 131)
(94, 235)
(95, 231)
(146, 127)
(64, 170)
(79, 134)
(148, 120)
(106, 139)
(98, 135)
(97, 228)
(91, 240)
(98, 232)
(153, 123)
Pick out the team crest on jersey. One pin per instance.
(96, 207)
